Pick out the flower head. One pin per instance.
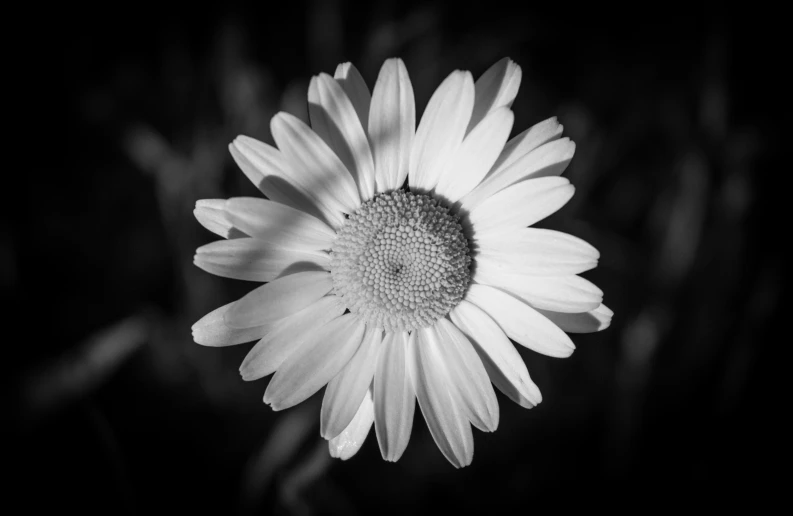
(398, 262)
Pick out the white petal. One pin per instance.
(392, 125)
(440, 405)
(520, 322)
(211, 330)
(315, 362)
(476, 155)
(278, 299)
(548, 161)
(539, 134)
(250, 259)
(534, 251)
(211, 214)
(395, 399)
(346, 390)
(569, 294)
(315, 167)
(268, 169)
(334, 119)
(468, 377)
(520, 205)
(586, 322)
(497, 87)
(502, 361)
(278, 224)
(355, 87)
(347, 443)
(286, 335)
(441, 130)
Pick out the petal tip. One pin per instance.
(468, 77)
(342, 68)
(392, 455)
(208, 203)
(242, 140)
(279, 121)
(566, 352)
(534, 394)
(275, 405)
(466, 461)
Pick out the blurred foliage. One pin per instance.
(116, 410)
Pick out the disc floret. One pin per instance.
(401, 261)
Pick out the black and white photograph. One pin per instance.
(336, 257)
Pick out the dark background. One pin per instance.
(114, 410)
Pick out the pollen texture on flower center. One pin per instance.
(401, 261)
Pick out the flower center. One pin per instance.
(401, 261)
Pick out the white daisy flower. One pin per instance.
(398, 262)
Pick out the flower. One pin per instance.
(398, 260)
